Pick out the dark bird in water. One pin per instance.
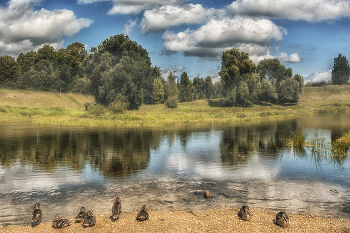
(89, 220)
(116, 209)
(143, 214)
(244, 213)
(207, 193)
(59, 222)
(36, 215)
(282, 219)
(80, 217)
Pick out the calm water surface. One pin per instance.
(64, 168)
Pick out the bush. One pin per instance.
(96, 110)
(230, 99)
(171, 102)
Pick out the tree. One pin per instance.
(158, 91)
(290, 89)
(268, 91)
(8, 69)
(208, 88)
(198, 85)
(186, 88)
(148, 85)
(341, 70)
(171, 92)
(235, 68)
(273, 70)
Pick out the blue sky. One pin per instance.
(191, 35)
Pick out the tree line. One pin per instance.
(119, 74)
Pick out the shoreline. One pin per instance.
(214, 220)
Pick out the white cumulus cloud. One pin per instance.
(23, 29)
(293, 58)
(211, 39)
(161, 18)
(311, 10)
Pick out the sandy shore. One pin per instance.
(215, 220)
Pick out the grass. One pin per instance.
(68, 109)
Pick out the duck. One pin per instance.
(244, 213)
(206, 194)
(116, 209)
(80, 217)
(36, 215)
(143, 214)
(59, 222)
(89, 220)
(282, 219)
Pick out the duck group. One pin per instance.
(88, 219)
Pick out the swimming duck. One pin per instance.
(81, 215)
(282, 219)
(207, 194)
(116, 209)
(59, 222)
(89, 220)
(244, 213)
(143, 214)
(36, 215)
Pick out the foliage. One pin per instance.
(237, 68)
(185, 88)
(230, 99)
(340, 71)
(278, 83)
(268, 91)
(158, 91)
(8, 69)
(171, 91)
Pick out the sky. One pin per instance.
(189, 35)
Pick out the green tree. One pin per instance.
(273, 70)
(8, 70)
(242, 94)
(172, 92)
(198, 85)
(186, 88)
(158, 91)
(235, 68)
(290, 89)
(26, 61)
(148, 85)
(268, 91)
(208, 87)
(341, 70)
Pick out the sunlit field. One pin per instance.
(46, 108)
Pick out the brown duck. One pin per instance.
(282, 219)
(89, 220)
(80, 217)
(206, 194)
(143, 214)
(36, 215)
(59, 222)
(116, 209)
(244, 213)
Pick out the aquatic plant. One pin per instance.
(299, 139)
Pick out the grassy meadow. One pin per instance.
(47, 108)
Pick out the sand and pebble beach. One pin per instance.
(213, 220)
